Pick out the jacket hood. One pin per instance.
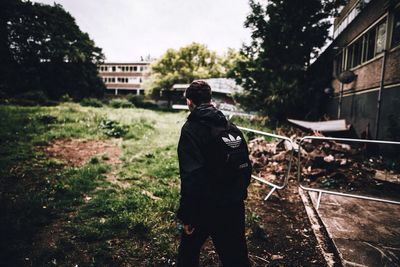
(208, 114)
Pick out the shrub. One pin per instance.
(91, 102)
(66, 98)
(47, 119)
(36, 96)
(121, 103)
(138, 101)
(135, 99)
(32, 98)
(113, 128)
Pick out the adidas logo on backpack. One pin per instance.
(231, 141)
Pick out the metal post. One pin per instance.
(319, 199)
(382, 84)
(378, 104)
(340, 100)
(270, 193)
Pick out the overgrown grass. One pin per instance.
(102, 224)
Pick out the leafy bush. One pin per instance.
(47, 119)
(113, 128)
(66, 98)
(121, 103)
(138, 101)
(91, 102)
(36, 96)
(32, 98)
(135, 99)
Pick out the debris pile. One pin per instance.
(329, 164)
(270, 159)
(325, 164)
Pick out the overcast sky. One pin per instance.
(129, 29)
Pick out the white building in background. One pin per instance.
(124, 78)
(223, 90)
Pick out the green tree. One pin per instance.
(286, 35)
(184, 65)
(46, 51)
(229, 61)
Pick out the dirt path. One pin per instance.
(283, 236)
(278, 230)
(76, 152)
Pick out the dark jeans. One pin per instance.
(225, 226)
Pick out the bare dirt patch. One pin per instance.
(76, 152)
(283, 234)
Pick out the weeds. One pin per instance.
(257, 229)
(47, 119)
(91, 102)
(121, 103)
(110, 225)
(113, 128)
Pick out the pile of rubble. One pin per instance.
(324, 163)
(270, 159)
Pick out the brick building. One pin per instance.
(124, 78)
(366, 48)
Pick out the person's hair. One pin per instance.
(199, 92)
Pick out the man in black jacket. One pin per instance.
(209, 206)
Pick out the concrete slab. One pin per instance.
(366, 233)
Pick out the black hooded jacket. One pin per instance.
(200, 192)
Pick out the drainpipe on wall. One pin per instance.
(340, 100)
(382, 84)
(345, 77)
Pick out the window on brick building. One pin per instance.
(135, 68)
(380, 38)
(339, 63)
(396, 28)
(369, 44)
(354, 53)
(114, 68)
(131, 68)
(366, 47)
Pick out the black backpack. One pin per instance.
(227, 162)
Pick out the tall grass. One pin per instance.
(100, 223)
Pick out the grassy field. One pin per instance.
(56, 214)
(86, 186)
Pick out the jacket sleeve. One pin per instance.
(192, 175)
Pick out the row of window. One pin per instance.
(123, 68)
(367, 46)
(121, 80)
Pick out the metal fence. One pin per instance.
(286, 177)
(325, 191)
(299, 176)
